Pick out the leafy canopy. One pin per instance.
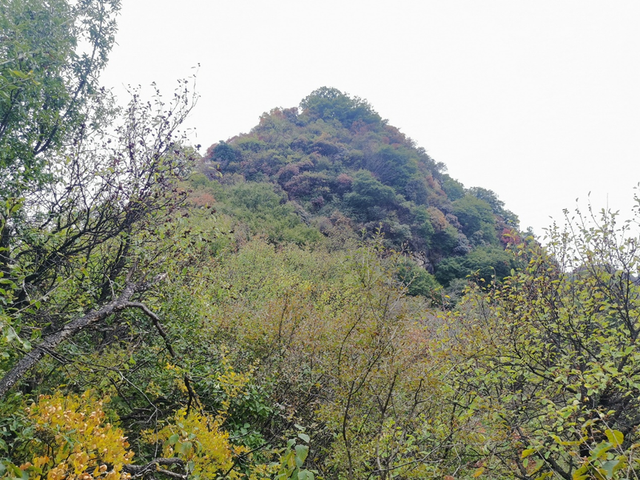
(331, 104)
(52, 54)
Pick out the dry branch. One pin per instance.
(141, 471)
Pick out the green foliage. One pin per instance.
(225, 153)
(368, 193)
(336, 156)
(551, 365)
(336, 343)
(485, 264)
(453, 188)
(247, 330)
(393, 166)
(52, 55)
(266, 212)
(417, 190)
(476, 217)
(417, 280)
(331, 104)
(489, 196)
(292, 461)
(16, 431)
(422, 219)
(446, 240)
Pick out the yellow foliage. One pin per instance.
(75, 440)
(231, 382)
(197, 439)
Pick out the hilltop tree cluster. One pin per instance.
(316, 299)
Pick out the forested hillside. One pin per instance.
(316, 299)
(336, 161)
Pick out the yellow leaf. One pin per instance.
(527, 452)
(615, 437)
(478, 472)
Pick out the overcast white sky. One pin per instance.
(536, 100)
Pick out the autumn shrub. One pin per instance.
(73, 439)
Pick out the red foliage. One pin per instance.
(510, 237)
(202, 199)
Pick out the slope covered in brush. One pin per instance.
(336, 158)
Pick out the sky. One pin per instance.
(538, 101)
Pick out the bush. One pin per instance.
(550, 367)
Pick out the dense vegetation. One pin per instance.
(315, 299)
(335, 159)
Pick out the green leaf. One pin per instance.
(600, 450)
(579, 474)
(185, 447)
(306, 475)
(610, 467)
(173, 439)
(301, 454)
(544, 475)
(304, 437)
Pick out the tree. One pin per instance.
(79, 202)
(342, 351)
(475, 215)
(369, 193)
(337, 154)
(417, 280)
(497, 205)
(331, 104)
(484, 263)
(452, 187)
(49, 96)
(393, 166)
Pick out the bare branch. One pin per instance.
(141, 471)
(156, 323)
